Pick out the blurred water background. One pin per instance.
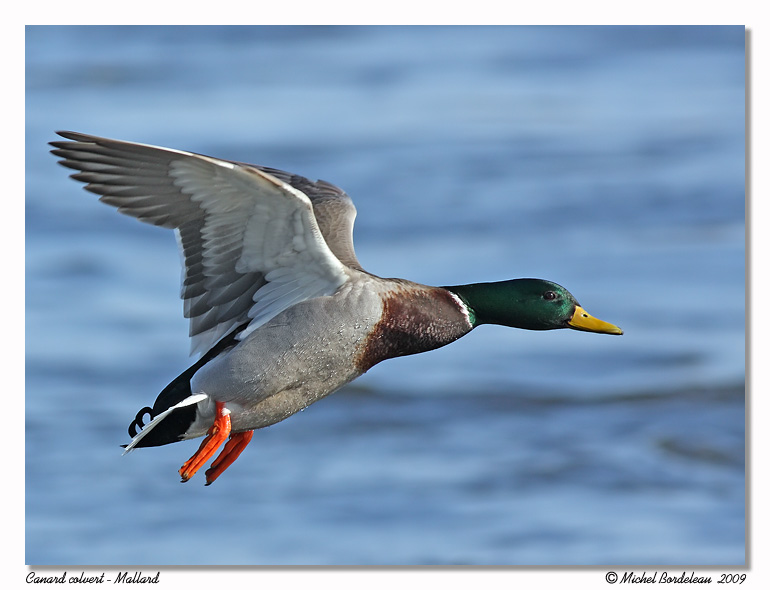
(607, 159)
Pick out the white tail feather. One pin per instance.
(188, 401)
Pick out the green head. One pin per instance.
(531, 304)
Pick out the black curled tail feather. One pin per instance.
(176, 424)
(138, 423)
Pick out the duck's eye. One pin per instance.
(549, 295)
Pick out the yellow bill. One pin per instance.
(582, 320)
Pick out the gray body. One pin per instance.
(279, 369)
(315, 347)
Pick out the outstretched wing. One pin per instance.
(251, 243)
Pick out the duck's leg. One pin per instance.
(229, 454)
(217, 434)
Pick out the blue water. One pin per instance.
(610, 160)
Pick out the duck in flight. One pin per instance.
(280, 309)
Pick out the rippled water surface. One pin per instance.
(610, 160)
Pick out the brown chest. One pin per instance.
(413, 322)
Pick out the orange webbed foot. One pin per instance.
(229, 454)
(217, 434)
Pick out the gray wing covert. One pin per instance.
(334, 210)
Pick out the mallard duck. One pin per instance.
(280, 309)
